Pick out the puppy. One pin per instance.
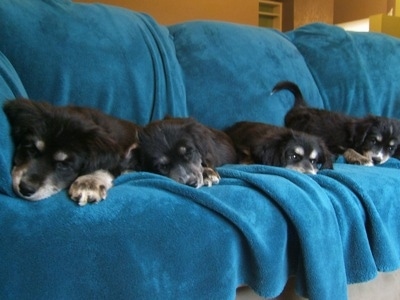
(67, 147)
(184, 150)
(366, 141)
(279, 146)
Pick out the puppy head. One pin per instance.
(52, 148)
(169, 147)
(376, 138)
(297, 151)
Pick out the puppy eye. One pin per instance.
(29, 148)
(293, 157)
(313, 161)
(63, 165)
(373, 141)
(163, 168)
(186, 151)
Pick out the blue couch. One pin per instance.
(153, 238)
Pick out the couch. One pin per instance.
(153, 238)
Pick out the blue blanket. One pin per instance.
(153, 238)
(354, 71)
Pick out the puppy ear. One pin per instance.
(395, 123)
(326, 157)
(26, 116)
(131, 151)
(130, 159)
(358, 131)
(202, 138)
(244, 155)
(269, 152)
(102, 151)
(397, 153)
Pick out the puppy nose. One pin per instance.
(376, 160)
(26, 189)
(310, 170)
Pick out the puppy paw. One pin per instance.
(91, 187)
(353, 157)
(366, 162)
(210, 177)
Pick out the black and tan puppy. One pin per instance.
(67, 147)
(366, 141)
(185, 150)
(266, 144)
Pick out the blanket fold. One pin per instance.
(366, 215)
(281, 228)
(306, 206)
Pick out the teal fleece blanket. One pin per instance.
(153, 238)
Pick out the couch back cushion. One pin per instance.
(230, 70)
(10, 88)
(356, 72)
(93, 55)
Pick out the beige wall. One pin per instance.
(350, 10)
(175, 11)
(307, 11)
(295, 12)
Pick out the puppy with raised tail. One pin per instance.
(266, 144)
(70, 147)
(368, 141)
(185, 150)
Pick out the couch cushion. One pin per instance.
(10, 88)
(96, 55)
(230, 71)
(352, 74)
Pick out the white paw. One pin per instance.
(210, 177)
(91, 187)
(353, 157)
(368, 163)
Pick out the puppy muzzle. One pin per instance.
(378, 158)
(188, 177)
(29, 189)
(307, 168)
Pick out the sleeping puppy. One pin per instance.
(67, 147)
(279, 146)
(369, 141)
(184, 150)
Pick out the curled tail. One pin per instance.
(294, 89)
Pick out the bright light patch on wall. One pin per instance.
(358, 25)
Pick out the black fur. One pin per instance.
(184, 150)
(266, 144)
(56, 145)
(369, 140)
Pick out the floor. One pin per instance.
(247, 294)
(386, 286)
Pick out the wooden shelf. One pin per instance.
(270, 14)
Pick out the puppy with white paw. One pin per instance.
(184, 150)
(67, 147)
(368, 141)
